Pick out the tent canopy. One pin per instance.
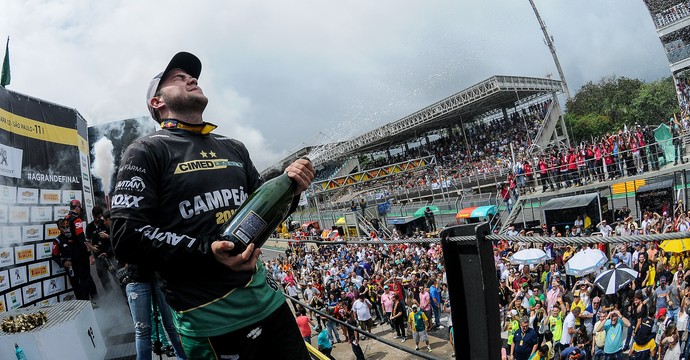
(476, 211)
(421, 210)
(666, 184)
(569, 202)
(311, 223)
(400, 220)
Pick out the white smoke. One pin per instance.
(103, 165)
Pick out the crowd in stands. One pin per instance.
(482, 150)
(492, 145)
(400, 287)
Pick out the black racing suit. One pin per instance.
(65, 248)
(174, 190)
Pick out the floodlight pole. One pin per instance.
(549, 42)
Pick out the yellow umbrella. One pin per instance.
(340, 221)
(676, 245)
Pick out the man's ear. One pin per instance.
(156, 102)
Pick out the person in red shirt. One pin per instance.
(529, 174)
(571, 177)
(505, 195)
(304, 325)
(581, 167)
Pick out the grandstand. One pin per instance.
(496, 102)
(492, 97)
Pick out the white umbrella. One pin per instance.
(529, 257)
(615, 279)
(585, 262)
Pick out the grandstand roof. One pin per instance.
(492, 94)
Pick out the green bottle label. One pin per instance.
(249, 228)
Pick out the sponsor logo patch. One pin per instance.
(134, 184)
(125, 201)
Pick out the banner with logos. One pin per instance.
(44, 164)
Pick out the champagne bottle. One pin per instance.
(260, 214)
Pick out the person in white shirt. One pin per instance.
(569, 327)
(362, 309)
(579, 223)
(604, 228)
(310, 292)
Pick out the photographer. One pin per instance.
(98, 234)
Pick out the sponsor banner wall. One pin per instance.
(44, 164)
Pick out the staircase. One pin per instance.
(366, 227)
(347, 167)
(548, 130)
(517, 208)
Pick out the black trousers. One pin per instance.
(82, 283)
(399, 326)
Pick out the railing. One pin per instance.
(679, 53)
(671, 15)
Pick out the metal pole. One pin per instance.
(599, 206)
(549, 42)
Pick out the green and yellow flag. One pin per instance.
(5, 76)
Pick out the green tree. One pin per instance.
(611, 96)
(655, 102)
(614, 102)
(586, 127)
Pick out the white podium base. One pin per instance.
(70, 333)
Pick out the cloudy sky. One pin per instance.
(282, 74)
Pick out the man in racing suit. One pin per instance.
(175, 188)
(77, 238)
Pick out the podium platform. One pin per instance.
(71, 332)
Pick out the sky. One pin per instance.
(284, 74)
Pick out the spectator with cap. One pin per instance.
(662, 294)
(572, 353)
(662, 322)
(604, 228)
(511, 325)
(387, 302)
(577, 303)
(419, 324)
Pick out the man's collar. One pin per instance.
(203, 128)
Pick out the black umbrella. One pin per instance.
(615, 279)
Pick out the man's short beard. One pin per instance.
(186, 103)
